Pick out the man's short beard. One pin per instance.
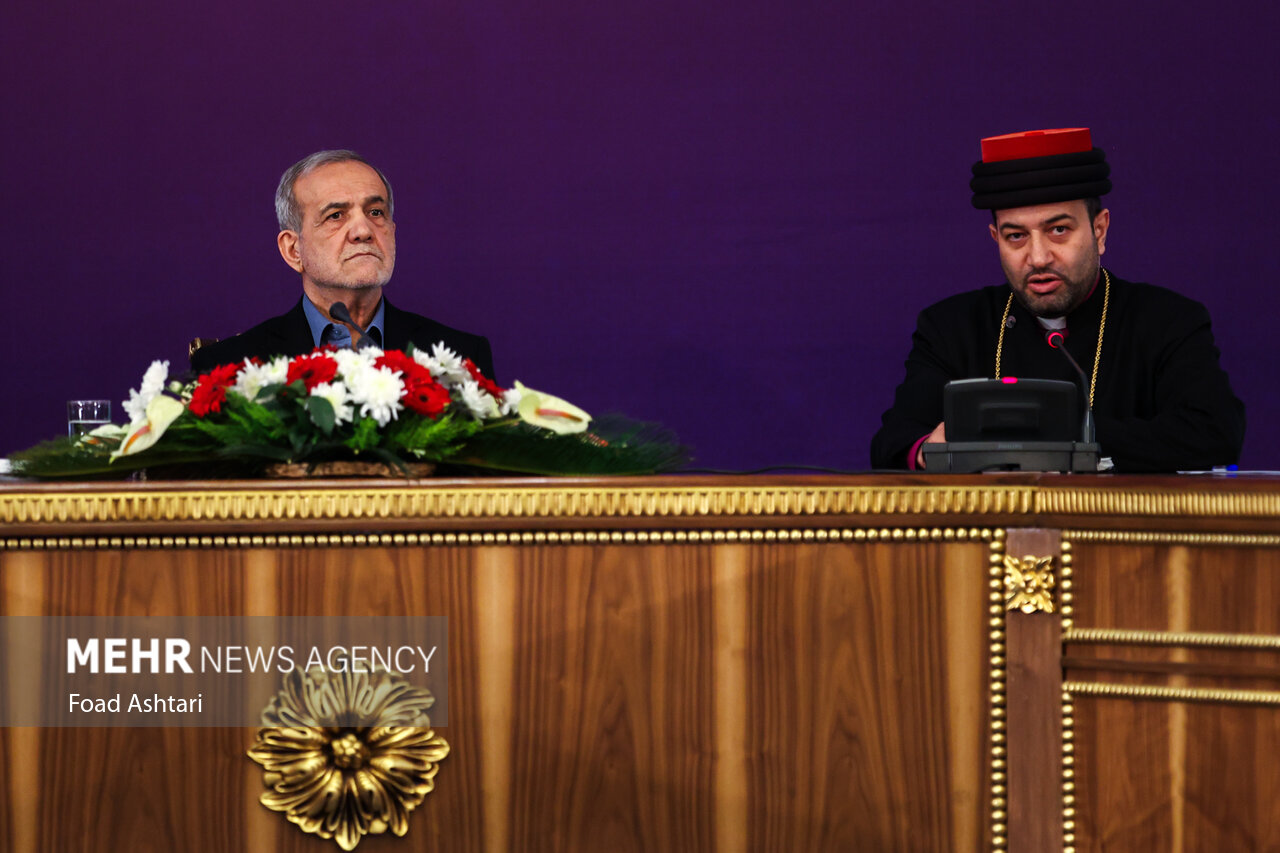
(1077, 299)
(1076, 292)
(343, 285)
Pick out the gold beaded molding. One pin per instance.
(498, 502)
(1066, 598)
(998, 674)
(1131, 537)
(548, 537)
(1068, 774)
(1172, 694)
(1123, 637)
(1066, 584)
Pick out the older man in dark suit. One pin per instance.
(336, 229)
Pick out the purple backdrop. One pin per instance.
(723, 216)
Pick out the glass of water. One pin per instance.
(84, 416)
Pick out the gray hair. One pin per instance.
(287, 213)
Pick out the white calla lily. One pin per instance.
(548, 412)
(161, 411)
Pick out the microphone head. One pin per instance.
(1054, 338)
(339, 312)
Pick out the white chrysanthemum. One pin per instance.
(445, 364)
(511, 400)
(252, 378)
(338, 397)
(152, 384)
(352, 363)
(424, 358)
(478, 401)
(377, 390)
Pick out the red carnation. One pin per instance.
(211, 390)
(428, 397)
(398, 360)
(411, 372)
(422, 394)
(312, 370)
(494, 389)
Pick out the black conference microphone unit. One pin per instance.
(1057, 340)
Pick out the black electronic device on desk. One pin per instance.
(1013, 424)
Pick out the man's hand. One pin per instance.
(938, 435)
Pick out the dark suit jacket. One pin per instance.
(1163, 401)
(290, 335)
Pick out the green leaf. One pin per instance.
(321, 411)
(614, 445)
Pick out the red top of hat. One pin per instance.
(1036, 143)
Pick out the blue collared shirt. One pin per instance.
(325, 331)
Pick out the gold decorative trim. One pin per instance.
(362, 768)
(996, 648)
(558, 501)
(1066, 583)
(1157, 502)
(410, 500)
(1124, 637)
(1066, 597)
(1131, 537)
(541, 537)
(1068, 774)
(1172, 694)
(1028, 584)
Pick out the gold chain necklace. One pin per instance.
(1102, 327)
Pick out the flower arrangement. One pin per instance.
(390, 406)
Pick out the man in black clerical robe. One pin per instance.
(336, 229)
(1160, 399)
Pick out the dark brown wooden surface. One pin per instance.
(1034, 691)
(731, 694)
(1176, 775)
(623, 697)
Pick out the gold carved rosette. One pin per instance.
(1028, 583)
(362, 774)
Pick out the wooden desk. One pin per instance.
(706, 664)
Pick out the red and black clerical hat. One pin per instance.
(1039, 167)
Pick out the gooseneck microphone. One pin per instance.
(339, 312)
(1057, 340)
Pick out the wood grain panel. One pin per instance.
(613, 700)
(1231, 589)
(1161, 775)
(21, 594)
(1142, 786)
(406, 582)
(849, 694)
(1034, 709)
(734, 739)
(640, 697)
(181, 783)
